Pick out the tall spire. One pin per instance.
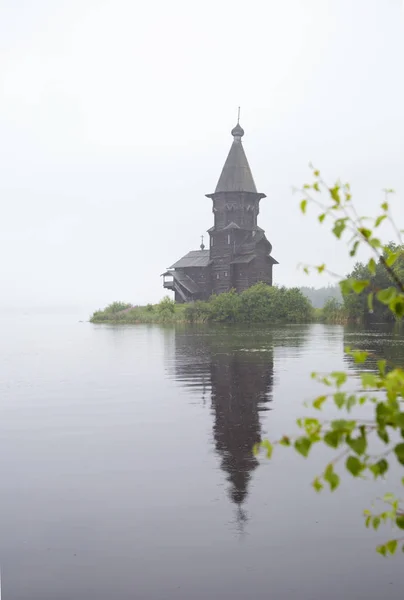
(236, 175)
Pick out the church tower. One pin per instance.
(239, 250)
(239, 253)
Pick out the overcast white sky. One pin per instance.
(115, 119)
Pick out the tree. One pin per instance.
(356, 305)
(377, 285)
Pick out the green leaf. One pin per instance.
(303, 445)
(399, 451)
(379, 469)
(268, 447)
(334, 193)
(345, 286)
(303, 206)
(359, 285)
(359, 356)
(385, 206)
(358, 444)
(285, 441)
(379, 220)
(320, 268)
(369, 380)
(318, 402)
(376, 523)
(397, 306)
(400, 521)
(381, 365)
(316, 173)
(372, 266)
(339, 399)
(343, 425)
(350, 403)
(321, 217)
(354, 248)
(374, 243)
(367, 521)
(339, 227)
(340, 377)
(332, 438)
(392, 257)
(392, 546)
(318, 486)
(387, 295)
(365, 232)
(383, 435)
(354, 465)
(331, 477)
(316, 186)
(381, 550)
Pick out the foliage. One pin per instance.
(160, 313)
(379, 278)
(334, 312)
(259, 304)
(225, 308)
(116, 307)
(264, 304)
(166, 309)
(111, 311)
(379, 283)
(197, 312)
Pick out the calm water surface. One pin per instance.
(127, 473)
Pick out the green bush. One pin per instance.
(334, 312)
(197, 312)
(116, 307)
(166, 305)
(259, 304)
(225, 308)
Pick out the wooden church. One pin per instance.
(239, 253)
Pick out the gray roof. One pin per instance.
(246, 258)
(195, 258)
(236, 174)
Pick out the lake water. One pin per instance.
(127, 472)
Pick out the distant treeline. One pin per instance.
(320, 296)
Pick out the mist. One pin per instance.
(115, 122)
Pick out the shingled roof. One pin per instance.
(195, 258)
(236, 175)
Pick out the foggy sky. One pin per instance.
(115, 119)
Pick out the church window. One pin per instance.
(228, 238)
(225, 273)
(217, 275)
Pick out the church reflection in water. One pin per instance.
(237, 370)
